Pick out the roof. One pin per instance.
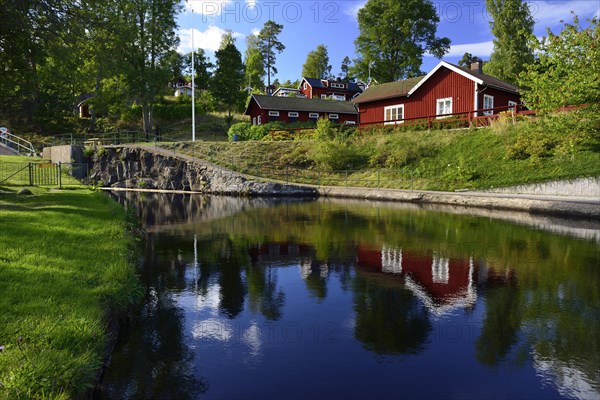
(409, 86)
(388, 90)
(317, 83)
(302, 104)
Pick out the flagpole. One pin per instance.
(193, 84)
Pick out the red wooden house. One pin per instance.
(447, 89)
(314, 88)
(263, 109)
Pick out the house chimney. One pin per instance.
(476, 66)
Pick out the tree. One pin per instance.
(317, 64)
(228, 80)
(254, 63)
(467, 59)
(394, 36)
(511, 25)
(270, 46)
(150, 36)
(345, 68)
(202, 67)
(566, 70)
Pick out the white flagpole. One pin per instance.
(193, 85)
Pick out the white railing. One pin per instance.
(15, 142)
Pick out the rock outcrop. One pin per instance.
(155, 168)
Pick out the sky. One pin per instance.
(308, 23)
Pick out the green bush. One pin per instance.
(340, 154)
(247, 131)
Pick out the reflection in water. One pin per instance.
(244, 296)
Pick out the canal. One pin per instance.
(276, 298)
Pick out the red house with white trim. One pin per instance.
(323, 89)
(447, 89)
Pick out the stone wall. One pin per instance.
(155, 168)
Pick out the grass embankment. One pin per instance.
(64, 269)
(503, 155)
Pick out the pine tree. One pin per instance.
(512, 26)
(228, 80)
(270, 46)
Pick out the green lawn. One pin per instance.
(64, 270)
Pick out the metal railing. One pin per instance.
(110, 138)
(16, 143)
(42, 173)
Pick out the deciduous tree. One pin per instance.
(202, 67)
(511, 26)
(254, 63)
(317, 64)
(394, 36)
(228, 80)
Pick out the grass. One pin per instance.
(64, 270)
(427, 160)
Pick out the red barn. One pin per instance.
(447, 89)
(263, 109)
(314, 88)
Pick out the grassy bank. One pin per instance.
(63, 270)
(503, 155)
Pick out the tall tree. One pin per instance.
(202, 67)
(254, 63)
(317, 64)
(228, 80)
(394, 36)
(270, 46)
(150, 37)
(511, 25)
(345, 68)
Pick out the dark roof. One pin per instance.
(302, 104)
(388, 90)
(489, 80)
(317, 83)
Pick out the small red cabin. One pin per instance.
(333, 89)
(263, 109)
(447, 89)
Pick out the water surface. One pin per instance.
(331, 299)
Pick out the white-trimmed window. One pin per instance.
(488, 102)
(333, 116)
(323, 96)
(313, 115)
(254, 121)
(337, 85)
(273, 113)
(394, 113)
(443, 106)
(339, 97)
(511, 105)
(350, 122)
(305, 86)
(293, 114)
(259, 120)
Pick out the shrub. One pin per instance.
(247, 131)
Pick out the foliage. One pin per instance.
(566, 70)
(511, 25)
(468, 59)
(254, 64)
(394, 36)
(270, 46)
(202, 67)
(228, 79)
(247, 131)
(345, 74)
(317, 64)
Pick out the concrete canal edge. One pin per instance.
(153, 169)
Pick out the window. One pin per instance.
(511, 105)
(393, 114)
(337, 85)
(444, 106)
(488, 102)
(339, 97)
(292, 116)
(333, 116)
(259, 120)
(254, 121)
(350, 122)
(323, 96)
(273, 113)
(305, 86)
(313, 115)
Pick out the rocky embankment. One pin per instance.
(154, 168)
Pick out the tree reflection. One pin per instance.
(389, 318)
(232, 289)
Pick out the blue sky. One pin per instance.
(308, 23)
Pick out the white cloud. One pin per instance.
(255, 31)
(206, 7)
(548, 13)
(482, 49)
(251, 3)
(352, 10)
(210, 39)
